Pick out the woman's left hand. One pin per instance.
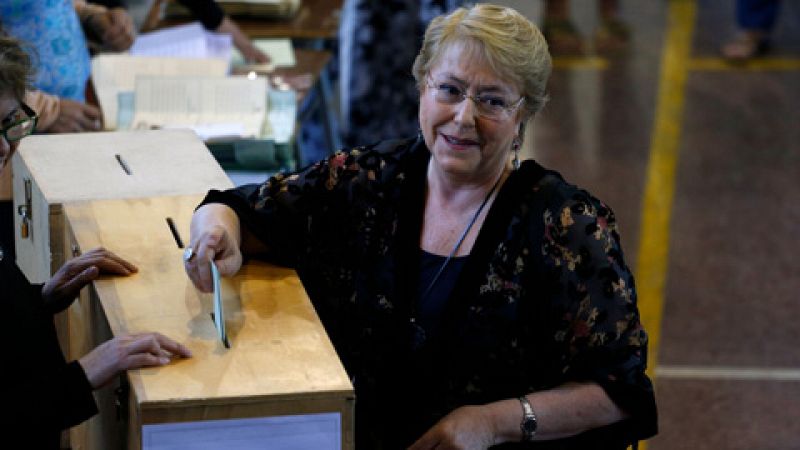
(465, 428)
(76, 273)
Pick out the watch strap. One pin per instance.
(528, 424)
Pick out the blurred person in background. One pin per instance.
(54, 36)
(756, 19)
(145, 15)
(611, 36)
(54, 33)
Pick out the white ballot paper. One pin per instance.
(184, 41)
(114, 74)
(218, 315)
(222, 105)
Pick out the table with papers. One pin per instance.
(187, 77)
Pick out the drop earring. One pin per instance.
(515, 147)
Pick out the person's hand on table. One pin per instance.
(75, 117)
(122, 33)
(465, 428)
(63, 287)
(301, 82)
(211, 241)
(114, 27)
(129, 352)
(252, 54)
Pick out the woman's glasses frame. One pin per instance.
(441, 92)
(22, 127)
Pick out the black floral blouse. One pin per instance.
(544, 297)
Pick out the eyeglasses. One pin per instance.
(22, 127)
(490, 106)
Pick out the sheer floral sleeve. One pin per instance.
(288, 209)
(598, 320)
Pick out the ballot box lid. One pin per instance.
(121, 164)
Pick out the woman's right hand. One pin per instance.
(76, 117)
(215, 236)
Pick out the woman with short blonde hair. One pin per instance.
(475, 300)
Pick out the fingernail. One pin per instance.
(163, 360)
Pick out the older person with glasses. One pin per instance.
(474, 300)
(15, 127)
(43, 393)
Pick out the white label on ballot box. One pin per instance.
(307, 431)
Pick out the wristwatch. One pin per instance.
(528, 424)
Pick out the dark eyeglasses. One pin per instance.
(21, 127)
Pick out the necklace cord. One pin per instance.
(461, 239)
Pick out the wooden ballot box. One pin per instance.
(51, 170)
(280, 383)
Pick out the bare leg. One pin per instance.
(561, 35)
(612, 35)
(556, 9)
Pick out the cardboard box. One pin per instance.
(51, 170)
(280, 382)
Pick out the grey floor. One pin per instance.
(726, 325)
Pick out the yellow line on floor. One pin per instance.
(580, 63)
(653, 256)
(651, 273)
(758, 64)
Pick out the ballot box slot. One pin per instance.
(123, 164)
(175, 234)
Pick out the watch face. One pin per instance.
(529, 425)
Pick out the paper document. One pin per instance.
(280, 52)
(208, 132)
(282, 114)
(219, 315)
(184, 41)
(202, 102)
(115, 74)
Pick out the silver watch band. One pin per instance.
(528, 424)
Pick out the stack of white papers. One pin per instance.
(176, 78)
(113, 74)
(184, 41)
(216, 107)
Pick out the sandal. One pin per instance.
(562, 38)
(745, 46)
